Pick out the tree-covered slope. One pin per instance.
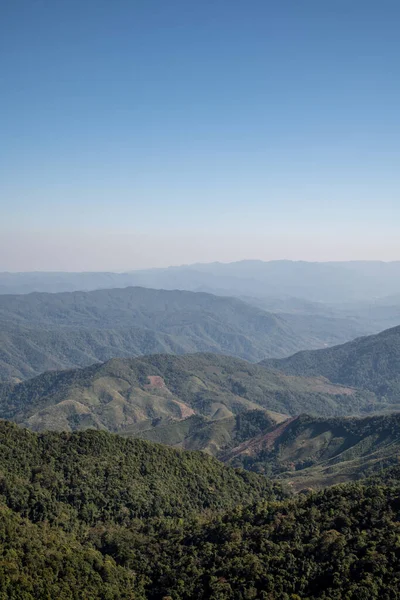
(39, 331)
(123, 392)
(94, 516)
(371, 363)
(214, 436)
(39, 561)
(312, 452)
(97, 476)
(339, 543)
(61, 492)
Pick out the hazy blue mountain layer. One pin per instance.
(41, 331)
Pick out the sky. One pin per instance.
(145, 133)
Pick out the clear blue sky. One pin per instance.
(139, 133)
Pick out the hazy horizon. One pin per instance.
(146, 134)
(205, 264)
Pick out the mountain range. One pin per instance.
(327, 282)
(122, 393)
(86, 513)
(244, 414)
(42, 331)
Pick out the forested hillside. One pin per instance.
(311, 452)
(370, 363)
(40, 332)
(101, 476)
(91, 515)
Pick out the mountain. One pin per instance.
(214, 436)
(311, 452)
(318, 305)
(104, 476)
(54, 282)
(40, 332)
(120, 393)
(326, 282)
(59, 490)
(92, 515)
(329, 282)
(370, 363)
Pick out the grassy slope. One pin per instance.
(199, 433)
(119, 394)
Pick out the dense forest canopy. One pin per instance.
(92, 515)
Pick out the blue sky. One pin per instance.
(142, 133)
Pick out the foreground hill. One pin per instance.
(60, 487)
(370, 363)
(91, 515)
(103, 476)
(312, 452)
(41, 332)
(120, 393)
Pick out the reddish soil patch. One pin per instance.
(156, 381)
(186, 411)
(264, 441)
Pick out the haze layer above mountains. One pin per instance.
(333, 282)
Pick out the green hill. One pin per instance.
(200, 433)
(60, 492)
(120, 393)
(312, 452)
(339, 543)
(371, 363)
(41, 331)
(91, 515)
(41, 561)
(101, 476)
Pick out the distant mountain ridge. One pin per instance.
(371, 363)
(327, 282)
(42, 331)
